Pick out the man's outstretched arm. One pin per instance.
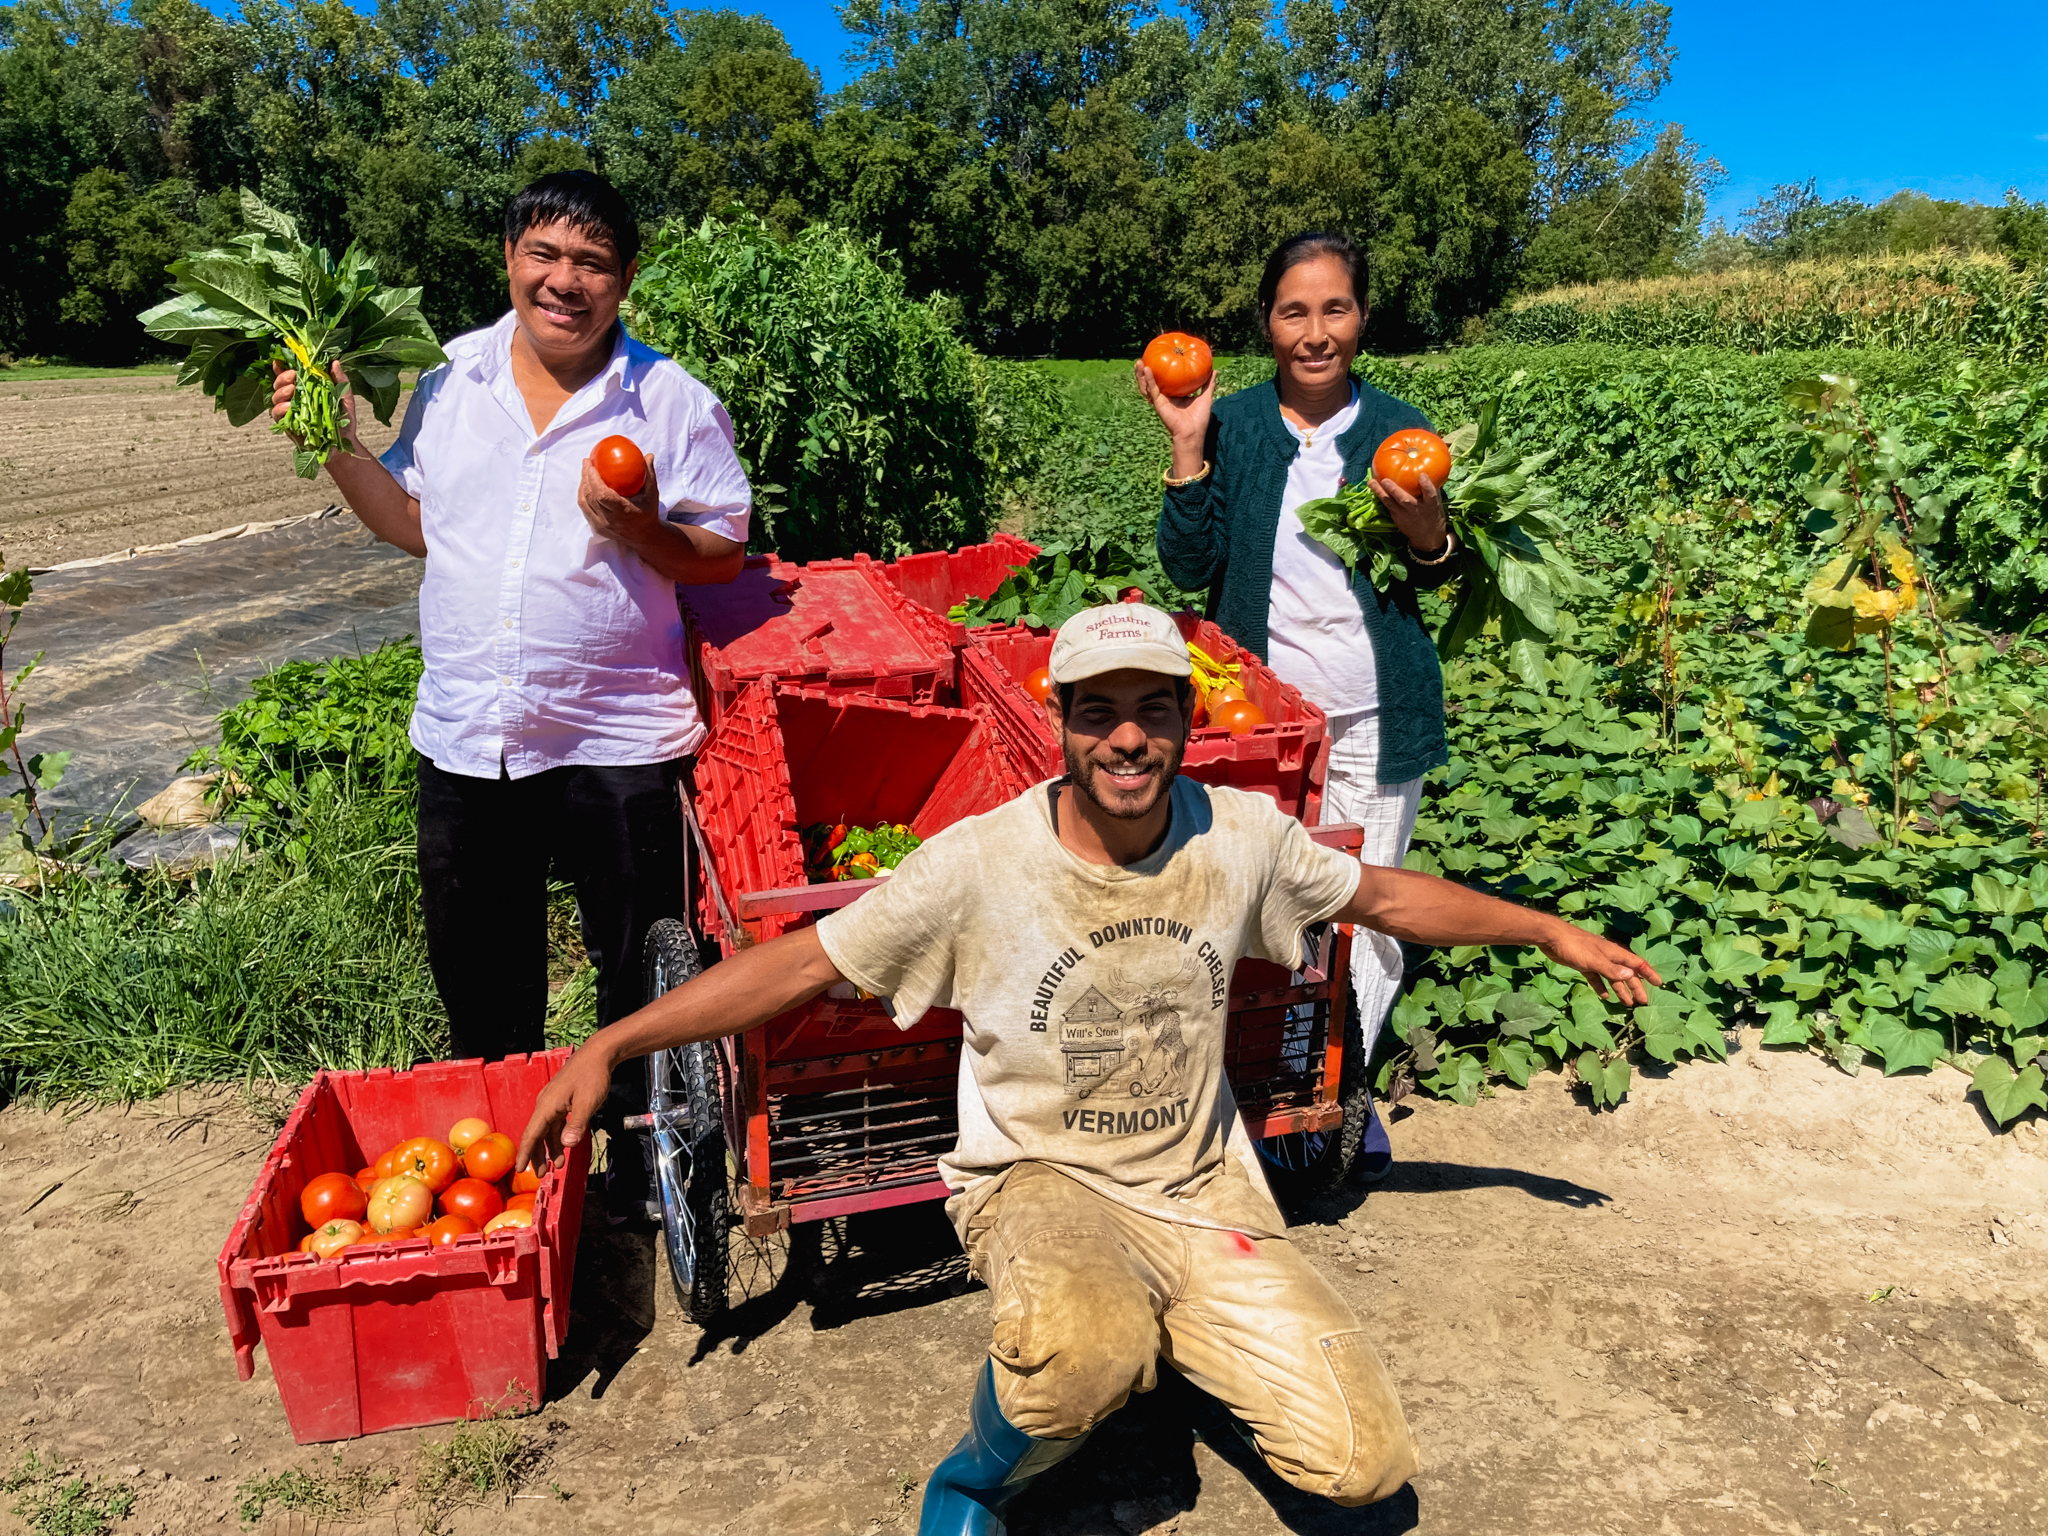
(1426, 910)
(751, 988)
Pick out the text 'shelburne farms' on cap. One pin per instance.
(1099, 640)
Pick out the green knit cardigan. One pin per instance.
(1218, 533)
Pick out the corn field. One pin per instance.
(1978, 303)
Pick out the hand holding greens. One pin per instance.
(1501, 512)
(267, 297)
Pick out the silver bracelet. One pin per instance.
(1450, 547)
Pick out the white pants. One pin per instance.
(1353, 792)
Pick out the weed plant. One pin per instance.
(51, 1504)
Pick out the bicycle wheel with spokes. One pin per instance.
(687, 1118)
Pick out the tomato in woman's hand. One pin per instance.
(332, 1197)
(1180, 364)
(332, 1237)
(448, 1228)
(525, 1181)
(620, 465)
(431, 1162)
(509, 1219)
(472, 1198)
(1039, 684)
(1238, 716)
(1408, 455)
(463, 1132)
(399, 1202)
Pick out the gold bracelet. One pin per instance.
(1450, 545)
(1172, 484)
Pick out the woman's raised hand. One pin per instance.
(1420, 517)
(1186, 419)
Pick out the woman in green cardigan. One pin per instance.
(1242, 467)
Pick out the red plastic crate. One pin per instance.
(944, 577)
(401, 1334)
(1287, 757)
(833, 624)
(786, 757)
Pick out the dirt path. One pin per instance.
(1658, 1320)
(93, 466)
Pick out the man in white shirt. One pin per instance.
(1103, 1183)
(554, 722)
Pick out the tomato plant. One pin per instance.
(474, 1199)
(332, 1197)
(1408, 455)
(1181, 364)
(489, 1157)
(620, 465)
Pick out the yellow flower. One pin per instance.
(1882, 607)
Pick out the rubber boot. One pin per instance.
(989, 1467)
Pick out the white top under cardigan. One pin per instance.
(547, 644)
(1315, 632)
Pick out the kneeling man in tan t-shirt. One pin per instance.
(1103, 1184)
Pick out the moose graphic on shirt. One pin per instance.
(1130, 1049)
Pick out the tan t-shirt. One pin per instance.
(1095, 995)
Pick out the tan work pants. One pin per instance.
(1089, 1294)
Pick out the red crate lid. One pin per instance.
(830, 617)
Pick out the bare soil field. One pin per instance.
(91, 467)
(1759, 1297)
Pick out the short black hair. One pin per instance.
(1296, 249)
(582, 199)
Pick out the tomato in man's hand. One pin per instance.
(332, 1197)
(620, 465)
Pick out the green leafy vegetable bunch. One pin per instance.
(1065, 576)
(267, 297)
(1500, 510)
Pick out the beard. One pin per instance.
(1085, 774)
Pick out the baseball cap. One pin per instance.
(1098, 640)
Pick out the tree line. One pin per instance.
(1063, 176)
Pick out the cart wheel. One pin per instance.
(689, 1140)
(1305, 1164)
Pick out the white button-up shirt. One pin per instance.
(546, 643)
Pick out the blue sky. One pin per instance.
(1864, 96)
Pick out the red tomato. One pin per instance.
(400, 1202)
(509, 1219)
(431, 1162)
(520, 1202)
(332, 1237)
(1410, 454)
(306, 1242)
(387, 1165)
(489, 1157)
(1039, 684)
(365, 1177)
(474, 1199)
(463, 1132)
(396, 1235)
(620, 465)
(525, 1182)
(1180, 363)
(1238, 716)
(332, 1197)
(444, 1231)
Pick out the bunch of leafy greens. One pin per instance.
(267, 297)
(1065, 576)
(1499, 511)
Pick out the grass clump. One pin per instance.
(345, 1494)
(52, 1504)
(489, 1458)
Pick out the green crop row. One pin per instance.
(1980, 303)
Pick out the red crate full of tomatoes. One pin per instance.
(453, 1300)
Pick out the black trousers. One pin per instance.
(486, 849)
